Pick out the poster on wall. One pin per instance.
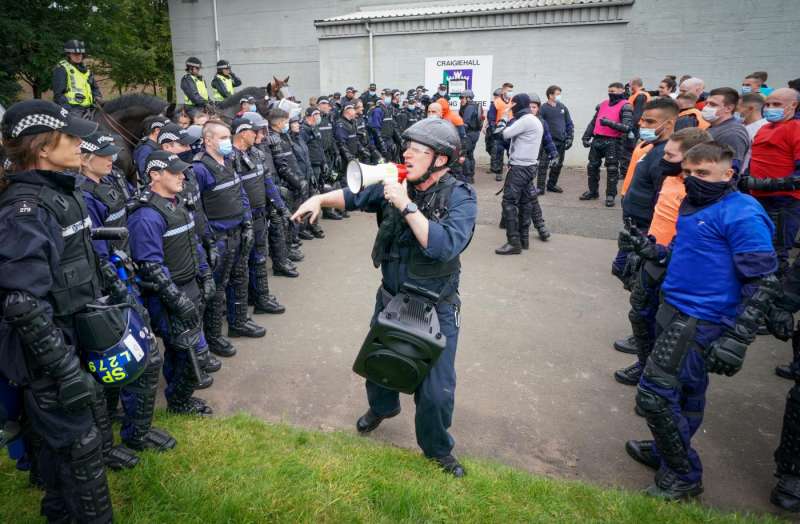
(460, 73)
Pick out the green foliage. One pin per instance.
(240, 469)
(127, 40)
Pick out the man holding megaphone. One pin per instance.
(426, 221)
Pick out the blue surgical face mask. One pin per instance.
(773, 114)
(371, 91)
(746, 89)
(558, 98)
(252, 108)
(225, 147)
(285, 128)
(648, 135)
(738, 117)
(387, 100)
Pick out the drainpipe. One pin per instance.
(216, 28)
(371, 63)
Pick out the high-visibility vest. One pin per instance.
(227, 82)
(500, 108)
(639, 152)
(77, 84)
(633, 97)
(702, 123)
(201, 89)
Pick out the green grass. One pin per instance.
(240, 469)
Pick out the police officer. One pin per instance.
(307, 231)
(312, 137)
(424, 228)
(229, 219)
(247, 168)
(346, 135)
(611, 124)
(180, 142)
(706, 324)
(370, 96)
(473, 122)
(48, 275)
(380, 122)
(148, 144)
(441, 92)
(262, 195)
(74, 86)
(289, 174)
(193, 86)
(331, 153)
(106, 205)
(224, 81)
(367, 151)
(558, 119)
(174, 278)
(280, 253)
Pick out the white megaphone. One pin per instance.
(361, 175)
(293, 108)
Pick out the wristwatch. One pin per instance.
(411, 207)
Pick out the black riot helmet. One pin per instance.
(223, 64)
(74, 46)
(193, 61)
(441, 136)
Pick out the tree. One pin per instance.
(32, 35)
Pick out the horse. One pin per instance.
(123, 118)
(279, 89)
(228, 108)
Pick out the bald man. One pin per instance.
(694, 86)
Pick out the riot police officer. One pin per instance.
(106, 205)
(380, 122)
(224, 81)
(193, 86)
(74, 86)
(367, 152)
(473, 121)
(148, 144)
(48, 275)
(346, 135)
(173, 276)
(332, 158)
(286, 167)
(422, 232)
(308, 231)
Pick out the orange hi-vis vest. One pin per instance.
(500, 106)
(701, 122)
(665, 214)
(639, 152)
(633, 97)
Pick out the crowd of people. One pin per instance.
(96, 263)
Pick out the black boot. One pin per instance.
(212, 327)
(156, 440)
(331, 214)
(630, 375)
(554, 188)
(263, 301)
(315, 230)
(305, 234)
(610, 201)
(786, 493)
(369, 421)
(544, 233)
(206, 380)
(669, 487)
(295, 255)
(642, 452)
(192, 406)
(208, 362)
(589, 195)
(243, 326)
(512, 247)
(525, 242)
(268, 305)
(626, 345)
(282, 270)
(450, 464)
(498, 176)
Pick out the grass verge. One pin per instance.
(241, 469)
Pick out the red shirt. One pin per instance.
(775, 150)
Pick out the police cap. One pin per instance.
(99, 144)
(159, 160)
(32, 117)
(172, 132)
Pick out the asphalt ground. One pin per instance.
(535, 363)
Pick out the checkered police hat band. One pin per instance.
(37, 120)
(156, 164)
(167, 136)
(88, 146)
(242, 127)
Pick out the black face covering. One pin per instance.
(701, 193)
(186, 156)
(615, 97)
(670, 168)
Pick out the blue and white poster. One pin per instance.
(460, 73)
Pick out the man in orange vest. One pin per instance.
(689, 115)
(639, 97)
(612, 122)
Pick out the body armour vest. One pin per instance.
(223, 201)
(251, 170)
(76, 282)
(190, 196)
(326, 130)
(613, 113)
(351, 127)
(394, 233)
(387, 124)
(116, 202)
(179, 239)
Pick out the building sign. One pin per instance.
(460, 73)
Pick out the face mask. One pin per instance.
(510, 95)
(371, 92)
(773, 114)
(648, 135)
(252, 108)
(318, 119)
(225, 147)
(387, 100)
(614, 97)
(738, 117)
(746, 89)
(709, 114)
(669, 168)
(442, 92)
(702, 193)
(285, 128)
(186, 156)
(558, 98)
(434, 115)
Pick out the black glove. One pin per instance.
(780, 323)
(634, 241)
(567, 143)
(113, 285)
(587, 142)
(606, 122)
(725, 356)
(208, 286)
(211, 252)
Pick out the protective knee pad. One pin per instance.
(664, 429)
(143, 391)
(668, 353)
(102, 420)
(90, 500)
(787, 456)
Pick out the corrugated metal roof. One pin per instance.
(465, 9)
